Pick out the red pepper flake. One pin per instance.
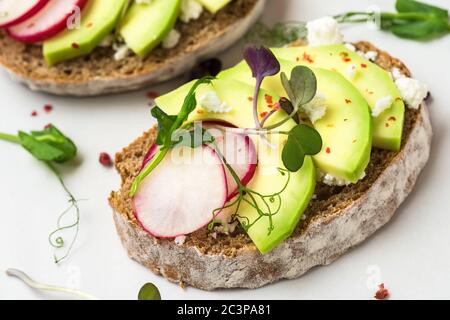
(393, 119)
(105, 159)
(89, 25)
(200, 111)
(348, 101)
(75, 45)
(308, 58)
(250, 99)
(276, 106)
(269, 99)
(363, 65)
(34, 113)
(347, 59)
(152, 95)
(382, 292)
(263, 114)
(48, 108)
(386, 125)
(328, 150)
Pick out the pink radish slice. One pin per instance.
(15, 11)
(49, 21)
(180, 195)
(240, 153)
(150, 154)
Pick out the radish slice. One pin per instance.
(180, 195)
(150, 154)
(240, 153)
(15, 11)
(49, 21)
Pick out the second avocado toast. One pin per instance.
(373, 151)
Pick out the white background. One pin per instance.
(410, 255)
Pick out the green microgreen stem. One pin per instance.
(149, 168)
(45, 287)
(58, 241)
(9, 137)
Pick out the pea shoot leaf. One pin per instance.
(49, 145)
(416, 6)
(302, 141)
(422, 30)
(301, 87)
(149, 292)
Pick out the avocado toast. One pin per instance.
(337, 217)
(111, 53)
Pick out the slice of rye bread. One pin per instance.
(98, 73)
(338, 219)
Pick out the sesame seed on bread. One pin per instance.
(98, 72)
(338, 219)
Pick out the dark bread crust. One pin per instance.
(99, 73)
(338, 219)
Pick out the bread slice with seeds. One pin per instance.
(98, 73)
(338, 219)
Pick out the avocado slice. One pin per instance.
(146, 25)
(267, 180)
(214, 6)
(98, 19)
(373, 82)
(346, 128)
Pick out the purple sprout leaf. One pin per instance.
(263, 63)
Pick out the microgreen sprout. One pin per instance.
(45, 287)
(52, 147)
(413, 20)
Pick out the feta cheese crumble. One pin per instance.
(171, 40)
(369, 55)
(382, 105)
(331, 180)
(413, 91)
(122, 51)
(351, 71)
(212, 103)
(323, 31)
(315, 109)
(190, 10)
(180, 240)
(350, 46)
(397, 74)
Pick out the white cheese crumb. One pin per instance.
(382, 105)
(180, 240)
(190, 10)
(212, 103)
(350, 46)
(323, 31)
(413, 91)
(331, 180)
(171, 40)
(351, 71)
(225, 228)
(315, 109)
(397, 74)
(121, 51)
(369, 55)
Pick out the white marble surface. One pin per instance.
(410, 255)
